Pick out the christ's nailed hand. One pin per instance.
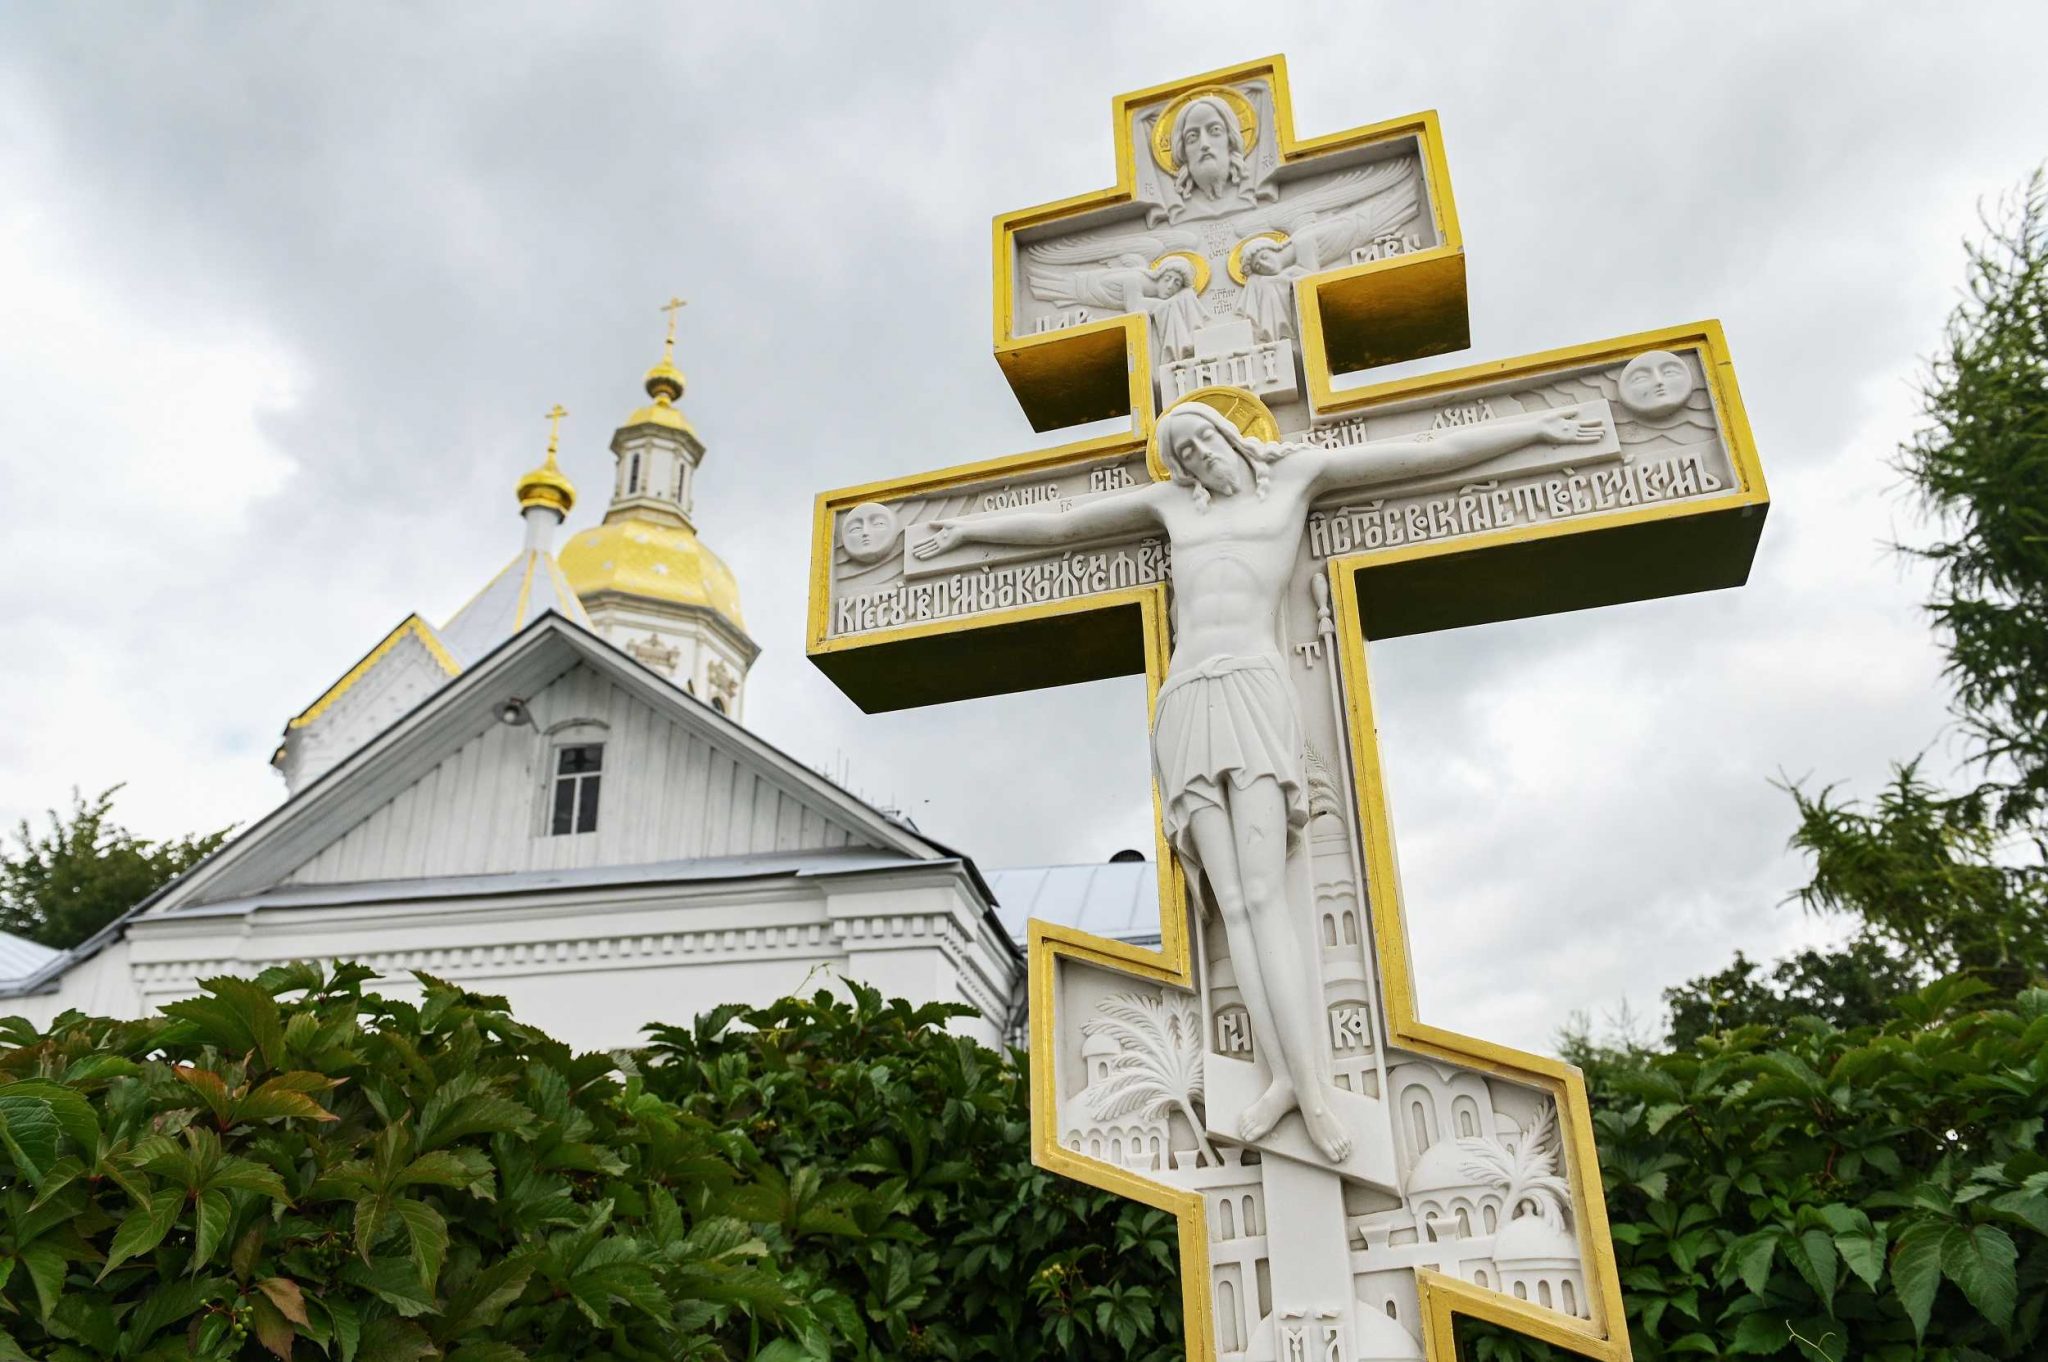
(945, 534)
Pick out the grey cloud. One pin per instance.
(441, 221)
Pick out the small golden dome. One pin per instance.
(652, 560)
(664, 381)
(546, 485)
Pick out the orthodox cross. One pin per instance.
(1347, 1177)
(555, 415)
(673, 306)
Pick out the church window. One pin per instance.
(1542, 1292)
(633, 478)
(1467, 1116)
(718, 703)
(1521, 1289)
(578, 770)
(1490, 1217)
(682, 472)
(1571, 1298)
(1393, 1310)
(1421, 1117)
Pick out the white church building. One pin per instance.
(551, 797)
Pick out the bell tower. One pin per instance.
(651, 586)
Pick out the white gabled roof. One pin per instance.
(262, 857)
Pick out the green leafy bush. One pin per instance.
(291, 1166)
(358, 1177)
(1879, 1194)
(905, 1158)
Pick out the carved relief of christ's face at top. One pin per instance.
(1656, 383)
(1206, 139)
(868, 532)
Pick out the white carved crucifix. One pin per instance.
(1347, 1176)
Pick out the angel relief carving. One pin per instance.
(1215, 213)
(1113, 275)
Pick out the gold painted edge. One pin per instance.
(1424, 126)
(411, 624)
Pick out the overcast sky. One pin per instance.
(284, 291)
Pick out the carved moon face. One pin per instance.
(1656, 383)
(868, 532)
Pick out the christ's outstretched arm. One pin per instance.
(1449, 450)
(1117, 513)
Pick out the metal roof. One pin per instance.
(1116, 899)
(20, 957)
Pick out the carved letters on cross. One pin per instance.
(1235, 268)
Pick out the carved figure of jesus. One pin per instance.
(1227, 744)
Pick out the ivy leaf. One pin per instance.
(1916, 1273)
(1980, 1259)
(28, 1132)
(1753, 1263)
(272, 1329)
(214, 1215)
(45, 1264)
(284, 1293)
(1864, 1253)
(166, 1304)
(73, 1113)
(427, 1232)
(145, 1227)
(480, 1301)
(393, 1281)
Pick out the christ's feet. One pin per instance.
(1326, 1130)
(1261, 1116)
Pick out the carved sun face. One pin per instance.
(1656, 383)
(868, 532)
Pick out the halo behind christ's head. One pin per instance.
(1238, 407)
(1167, 155)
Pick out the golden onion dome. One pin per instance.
(664, 384)
(546, 485)
(652, 560)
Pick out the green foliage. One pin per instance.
(901, 1159)
(1878, 1194)
(358, 1178)
(1858, 985)
(290, 1167)
(1938, 883)
(1920, 874)
(1981, 466)
(61, 887)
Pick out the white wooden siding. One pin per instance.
(668, 794)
